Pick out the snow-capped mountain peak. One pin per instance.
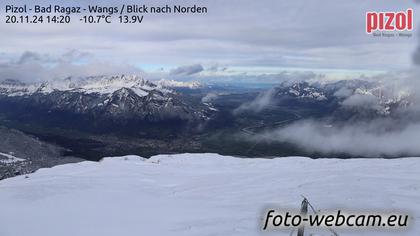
(94, 84)
(16, 88)
(302, 90)
(119, 98)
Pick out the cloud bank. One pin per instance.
(262, 101)
(375, 138)
(393, 134)
(249, 33)
(35, 67)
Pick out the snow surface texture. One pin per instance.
(199, 194)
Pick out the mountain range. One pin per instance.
(120, 100)
(92, 117)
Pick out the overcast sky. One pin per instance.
(234, 37)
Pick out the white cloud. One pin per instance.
(233, 33)
(35, 67)
(367, 101)
(210, 97)
(262, 101)
(374, 138)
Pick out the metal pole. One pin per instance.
(303, 212)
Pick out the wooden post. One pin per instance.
(303, 212)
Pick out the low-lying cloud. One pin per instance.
(210, 97)
(392, 134)
(262, 101)
(364, 101)
(343, 92)
(375, 138)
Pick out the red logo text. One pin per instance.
(389, 21)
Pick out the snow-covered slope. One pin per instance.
(302, 90)
(199, 194)
(120, 98)
(8, 158)
(94, 84)
(360, 95)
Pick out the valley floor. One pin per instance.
(200, 194)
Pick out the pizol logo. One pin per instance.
(389, 21)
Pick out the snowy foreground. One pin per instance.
(199, 194)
